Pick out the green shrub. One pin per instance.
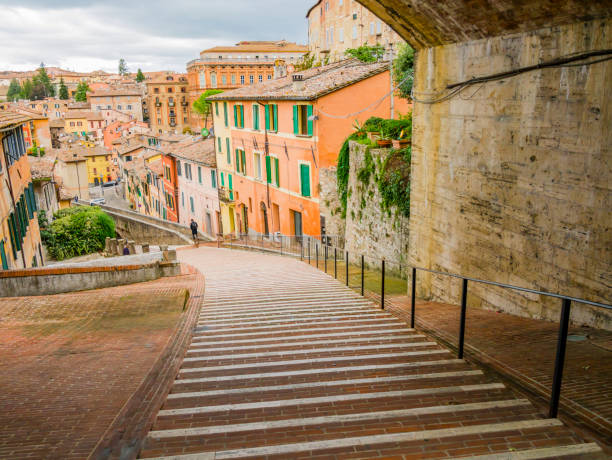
(76, 231)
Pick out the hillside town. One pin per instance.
(391, 240)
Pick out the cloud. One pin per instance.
(156, 35)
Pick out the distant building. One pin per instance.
(128, 101)
(70, 174)
(167, 102)
(20, 245)
(337, 25)
(45, 191)
(302, 120)
(228, 67)
(84, 124)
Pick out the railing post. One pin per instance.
(309, 261)
(560, 359)
(362, 270)
(335, 263)
(346, 267)
(382, 286)
(325, 257)
(301, 251)
(317, 255)
(462, 321)
(281, 238)
(218, 242)
(413, 300)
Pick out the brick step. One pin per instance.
(197, 349)
(379, 444)
(331, 361)
(365, 322)
(197, 340)
(296, 292)
(284, 310)
(314, 373)
(293, 313)
(314, 351)
(319, 304)
(296, 320)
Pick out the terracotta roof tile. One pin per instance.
(42, 167)
(197, 150)
(8, 118)
(316, 82)
(263, 46)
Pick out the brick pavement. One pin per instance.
(524, 349)
(287, 363)
(69, 363)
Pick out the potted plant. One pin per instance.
(384, 140)
(401, 141)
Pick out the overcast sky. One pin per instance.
(87, 35)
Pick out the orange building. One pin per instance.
(167, 103)
(228, 67)
(20, 245)
(273, 138)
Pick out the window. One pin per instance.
(238, 116)
(331, 34)
(224, 79)
(233, 79)
(213, 178)
(222, 181)
(229, 156)
(256, 116)
(200, 174)
(269, 77)
(251, 79)
(219, 144)
(213, 80)
(225, 114)
(118, 107)
(272, 170)
(326, 6)
(183, 199)
(271, 117)
(156, 90)
(202, 79)
(242, 79)
(178, 167)
(302, 120)
(257, 165)
(305, 179)
(72, 123)
(191, 204)
(379, 27)
(260, 78)
(169, 90)
(217, 108)
(159, 121)
(188, 171)
(341, 35)
(129, 107)
(371, 28)
(240, 161)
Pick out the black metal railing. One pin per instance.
(302, 247)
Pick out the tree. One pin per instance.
(403, 70)
(305, 62)
(202, 106)
(26, 90)
(123, 68)
(140, 76)
(63, 90)
(366, 53)
(42, 82)
(14, 90)
(81, 92)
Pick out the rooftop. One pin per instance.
(83, 151)
(56, 123)
(116, 92)
(67, 155)
(198, 150)
(42, 167)
(315, 82)
(262, 46)
(83, 114)
(8, 118)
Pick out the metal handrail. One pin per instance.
(563, 321)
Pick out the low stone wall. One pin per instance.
(46, 281)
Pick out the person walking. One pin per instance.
(194, 231)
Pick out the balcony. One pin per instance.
(184, 103)
(226, 195)
(158, 104)
(170, 104)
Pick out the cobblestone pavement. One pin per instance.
(69, 362)
(525, 350)
(287, 363)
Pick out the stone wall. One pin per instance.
(329, 203)
(511, 178)
(370, 230)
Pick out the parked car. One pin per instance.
(95, 201)
(110, 183)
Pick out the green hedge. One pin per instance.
(76, 231)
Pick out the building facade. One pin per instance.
(228, 67)
(273, 139)
(128, 101)
(20, 245)
(167, 102)
(337, 25)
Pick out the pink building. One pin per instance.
(198, 198)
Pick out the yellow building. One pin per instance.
(76, 122)
(100, 167)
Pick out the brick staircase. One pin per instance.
(288, 363)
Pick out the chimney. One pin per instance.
(298, 82)
(280, 69)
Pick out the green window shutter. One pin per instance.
(267, 116)
(237, 160)
(229, 156)
(225, 113)
(222, 181)
(243, 156)
(13, 234)
(295, 120)
(309, 113)
(305, 179)
(255, 117)
(276, 172)
(213, 179)
(242, 116)
(235, 116)
(3, 256)
(24, 216)
(268, 170)
(275, 110)
(229, 182)
(219, 142)
(191, 203)
(33, 195)
(200, 174)
(217, 108)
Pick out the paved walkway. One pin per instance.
(288, 363)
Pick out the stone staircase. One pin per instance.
(288, 363)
